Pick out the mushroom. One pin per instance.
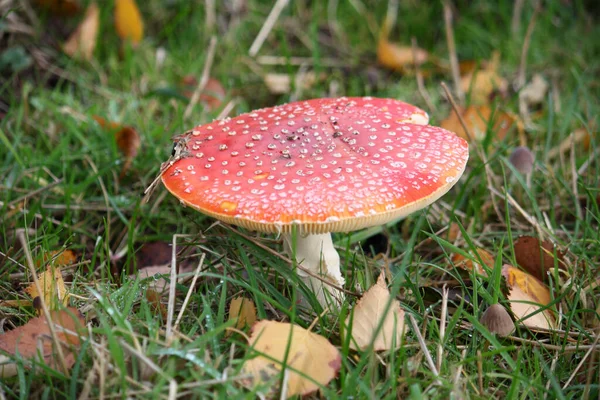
(309, 168)
(497, 320)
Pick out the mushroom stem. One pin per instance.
(315, 253)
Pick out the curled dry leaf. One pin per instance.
(128, 21)
(82, 42)
(527, 295)
(53, 288)
(63, 8)
(483, 83)
(468, 264)
(376, 306)
(243, 311)
(316, 360)
(536, 257)
(127, 138)
(477, 119)
(58, 258)
(32, 340)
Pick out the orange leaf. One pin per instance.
(82, 42)
(527, 295)
(154, 299)
(465, 263)
(33, 339)
(127, 138)
(128, 21)
(477, 119)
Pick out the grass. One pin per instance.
(59, 180)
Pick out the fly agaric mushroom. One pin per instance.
(315, 167)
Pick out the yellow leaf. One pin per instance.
(316, 360)
(481, 84)
(128, 21)
(527, 295)
(370, 310)
(468, 264)
(82, 42)
(53, 288)
(243, 311)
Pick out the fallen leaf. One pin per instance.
(282, 83)
(53, 288)
(154, 299)
(468, 264)
(536, 257)
(532, 94)
(395, 57)
(243, 311)
(527, 295)
(367, 315)
(483, 83)
(33, 340)
(316, 360)
(58, 258)
(212, 95)
(128, 21)
(477, 119)
(66, 8)
(82, 42)
(127, 138)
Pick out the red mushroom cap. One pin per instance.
(325, 165)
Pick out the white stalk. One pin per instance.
(316, 254)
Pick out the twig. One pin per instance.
(172, 287)
(297, 61)
(440, 349)
(586, 355)
(420, 82)
(480, 372)
(210, 55)
(574, 177)
(211, 15)
(486, 165)
(267, 26)
(515, 25)
(452, 52)
(34, 193)
(520, 81)
(45, 310)
(189, 293)
(424, 348)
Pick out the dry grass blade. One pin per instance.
(210, 56)
(267, 26)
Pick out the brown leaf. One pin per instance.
(243, 311)
(212, 95)
(154, 299)
(536, 257)
(368, 313)
(127, 138)
(484, 82)
(53, 288)
(467, 264)
(128, 21)
(64, 8)
(33, 340)
(317, 360)
(477, 119)
(82, 42)
(527, 295)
